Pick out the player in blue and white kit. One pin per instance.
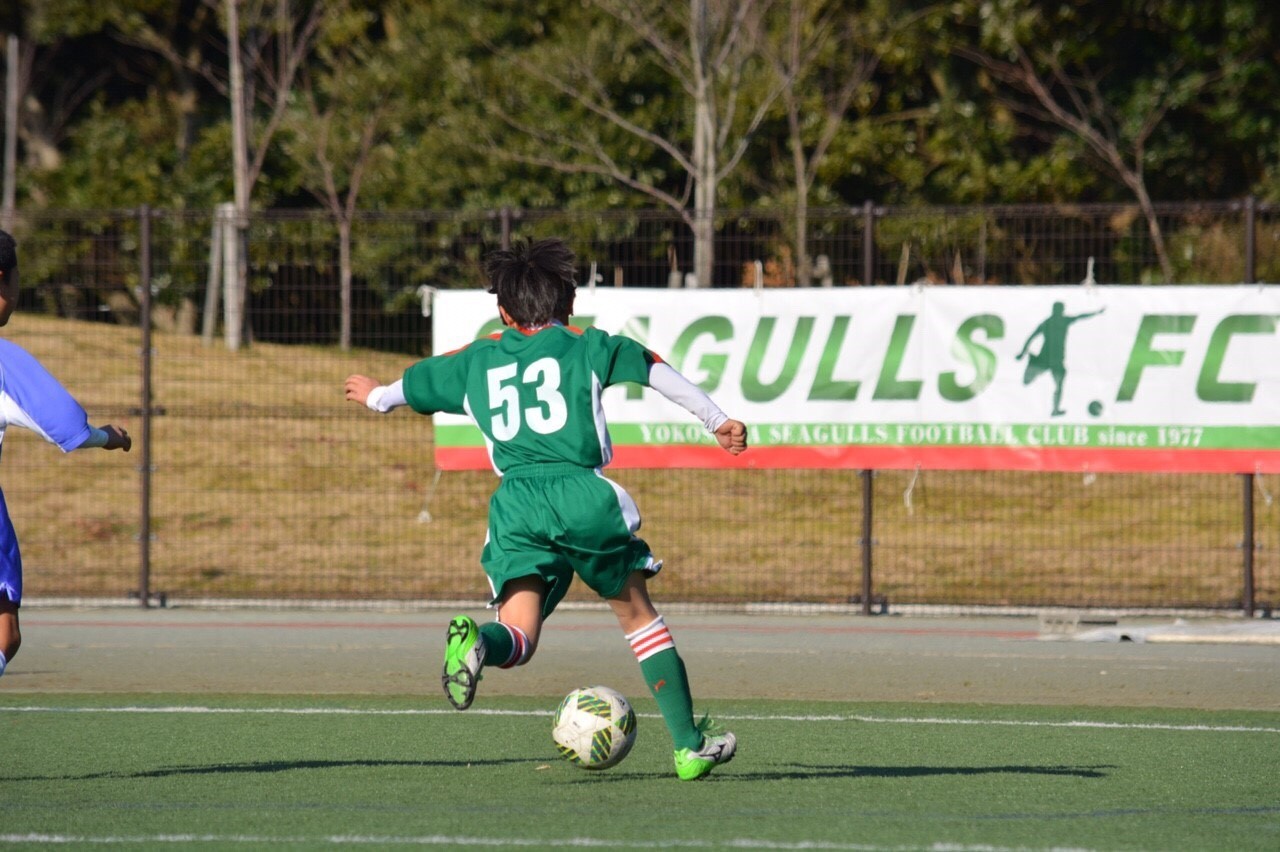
(32, 398)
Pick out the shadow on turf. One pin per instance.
(799, 773)
(268, 766)
(923, 771)
(809, 773)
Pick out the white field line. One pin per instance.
(880, 720)
(496, 842)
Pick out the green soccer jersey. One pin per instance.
(534, 395)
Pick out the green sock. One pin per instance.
(497, 643)
(665, 674)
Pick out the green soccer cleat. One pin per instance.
(718, 748)
(463, 659)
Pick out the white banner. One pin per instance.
(1045, 378)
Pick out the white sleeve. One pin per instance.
(667, 381)
(383, 398)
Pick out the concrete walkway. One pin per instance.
(820, 657)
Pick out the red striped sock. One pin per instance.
(651, 639)
(519, 648)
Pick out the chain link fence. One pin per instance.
(251, 478)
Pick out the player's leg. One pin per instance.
(10, 634)
(660, 663)
(509, 641)
(698, 746)
(512, 639)
(10, 587)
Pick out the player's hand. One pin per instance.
(117, 439)
(358, 388)
(732, 436)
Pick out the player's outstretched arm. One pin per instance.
(376, 397)
(732, 435)
(117, 439)
(359, 387)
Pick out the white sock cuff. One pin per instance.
(651, 639)
(643, 630)
(3, 662)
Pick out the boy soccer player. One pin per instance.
(32, 398)
(534, 391)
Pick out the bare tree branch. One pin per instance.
(631, 13)
(602, 164)
(600, 108)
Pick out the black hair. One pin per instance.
(8, 253)
(532, 280)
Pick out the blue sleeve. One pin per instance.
(41, 402)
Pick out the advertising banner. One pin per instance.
(1061, 378)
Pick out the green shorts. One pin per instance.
(554, 521)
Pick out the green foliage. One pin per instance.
(125, 156)
(568, 104)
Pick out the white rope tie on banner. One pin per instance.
(911, 486)
(424, 517)
(1089, 281)
(1257, 477)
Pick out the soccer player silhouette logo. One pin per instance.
(1051, 357)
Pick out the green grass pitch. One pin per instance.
(155, 771)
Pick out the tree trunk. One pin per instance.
(704, 151)
(239, 156)
(10, 134)
(801, 170)
(344, 278)
(704, 205)
(1153, 227)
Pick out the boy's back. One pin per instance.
(536, 396)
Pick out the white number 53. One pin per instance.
(548, 416)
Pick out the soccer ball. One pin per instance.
(594, 727)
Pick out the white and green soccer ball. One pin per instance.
(594, 727)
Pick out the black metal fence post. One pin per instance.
(144, 299)
(868, 493)
(1248, 545)
(868, 243)
(1250, 239)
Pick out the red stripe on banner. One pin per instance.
(908, 458)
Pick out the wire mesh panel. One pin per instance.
(1058, 539)
(265, 483)
(767, 535)
(76, 515)
(1061, 244)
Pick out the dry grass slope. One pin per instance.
(267, 484)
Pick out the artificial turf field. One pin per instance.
(303, 768)
(246, 770)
